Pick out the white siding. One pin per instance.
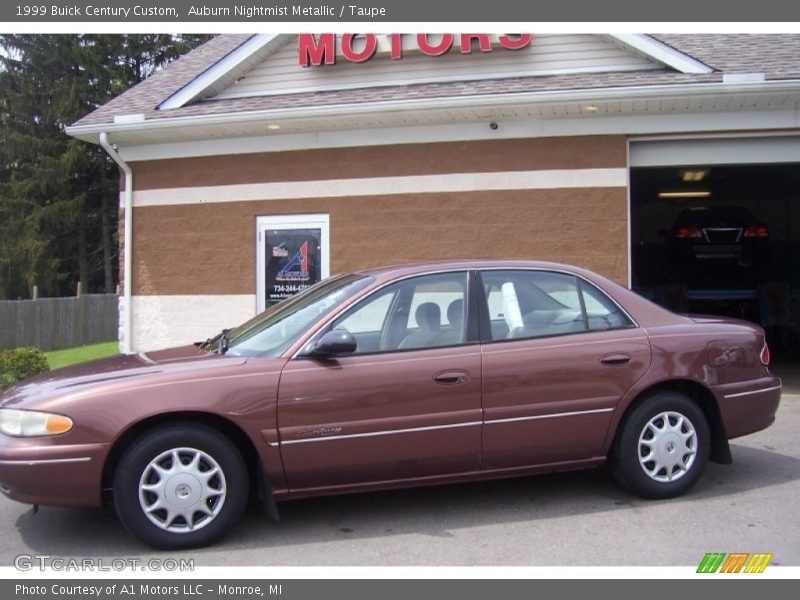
(379, 186)
(719, 151)
(280, 72)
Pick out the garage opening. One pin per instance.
(715, 229)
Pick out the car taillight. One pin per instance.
(756, 231)
(689, 231)
(765, 355)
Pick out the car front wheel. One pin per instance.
(662, 447)
(180, 486)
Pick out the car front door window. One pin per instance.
(416, 313)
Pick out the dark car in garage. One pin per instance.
(718, 245)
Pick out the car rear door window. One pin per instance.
(534, 303)
(601, 312)
(525, 304)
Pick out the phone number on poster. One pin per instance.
(289, 289)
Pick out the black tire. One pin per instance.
(209, 446)
(632, 472)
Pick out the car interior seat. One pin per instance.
(455, 316)
(429, 320)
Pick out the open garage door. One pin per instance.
(715, 228)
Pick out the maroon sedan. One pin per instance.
(411, 375)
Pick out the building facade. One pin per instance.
(253, 172)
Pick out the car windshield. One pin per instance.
(274, 330)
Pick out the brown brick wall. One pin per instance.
(582, 152)
(210, 248)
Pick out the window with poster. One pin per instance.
(292, 254)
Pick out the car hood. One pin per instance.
(122, 369)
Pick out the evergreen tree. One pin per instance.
(58, 195)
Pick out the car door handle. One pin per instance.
(615, 358)
(451, 377)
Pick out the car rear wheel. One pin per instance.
(662, 447)
(180, 486)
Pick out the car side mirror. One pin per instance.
(338, 341)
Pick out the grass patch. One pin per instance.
(72, 356)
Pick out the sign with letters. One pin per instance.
(292, 254)
(325, 49)
(292, 262)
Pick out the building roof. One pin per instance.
(146, 96)
(773, 55)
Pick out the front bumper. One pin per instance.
(53, 474)
(749, 406)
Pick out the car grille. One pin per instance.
(722, 235)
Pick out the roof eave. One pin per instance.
(91, 132)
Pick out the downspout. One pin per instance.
(127, 347)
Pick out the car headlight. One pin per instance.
(30, 423)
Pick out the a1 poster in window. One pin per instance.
(293, 262)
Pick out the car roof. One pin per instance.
(392, 271)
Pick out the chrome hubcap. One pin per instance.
(667, 446)
(182, 490)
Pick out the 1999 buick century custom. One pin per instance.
(410, 375)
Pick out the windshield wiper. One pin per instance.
(220, 341)
(222, 346)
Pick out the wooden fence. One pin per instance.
(53, 323)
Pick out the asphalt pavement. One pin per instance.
(578, 518)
